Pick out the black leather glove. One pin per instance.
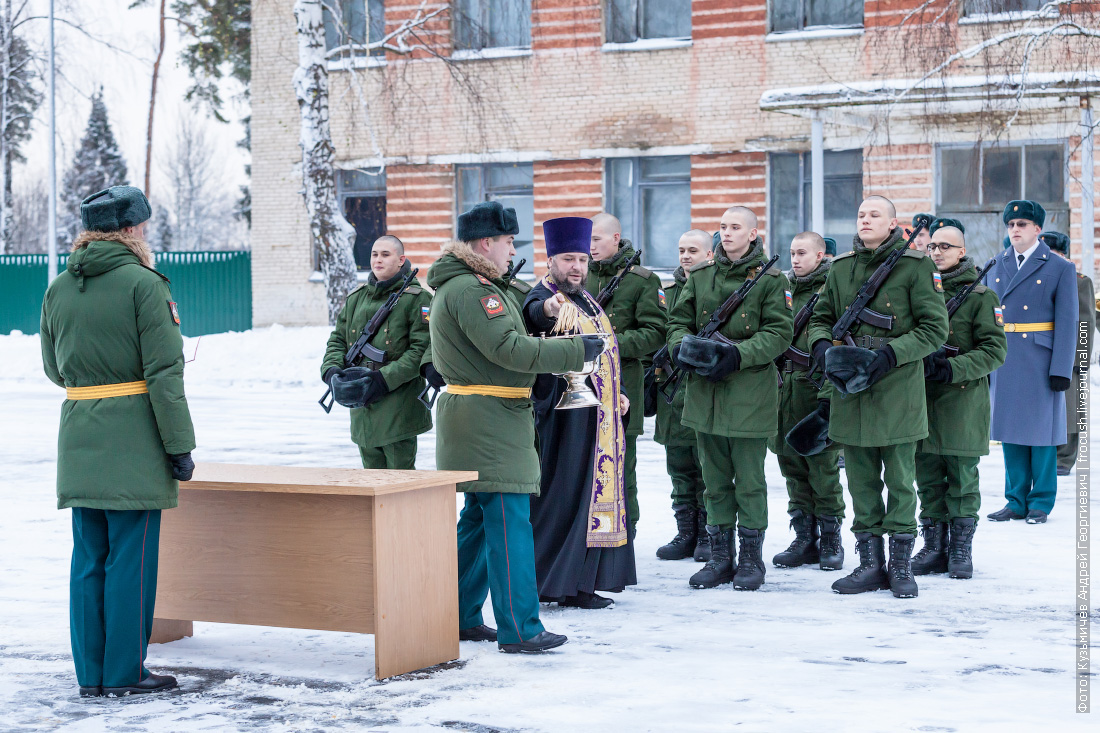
(1059, 384)
(432, 376)
(729, 361)
(350, 386)
(937, 368)
(593, 346)
(182, 466)
(819, 348)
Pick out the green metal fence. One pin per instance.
(212, 289)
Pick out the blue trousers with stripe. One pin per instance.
(112, 588)
(496, 554)
(1031, 477)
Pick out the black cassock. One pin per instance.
(564, 566)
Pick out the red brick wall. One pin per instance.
(565, 24)
(903, 174)
(728, 179)
(564, 188)
(436, 33)
(724, 19)
(420, 202)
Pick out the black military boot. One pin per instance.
(749, 574)
(830, 547)
(702, 541)
(900, 572)
(932, 558)
(871, 573)
(803, 549)
(683, 544)
(719, 568)
(960, 562)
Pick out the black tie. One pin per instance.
(1021, 259)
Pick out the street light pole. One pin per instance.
(51, 242)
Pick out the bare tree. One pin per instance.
(20, 95)
(201, 209)
(29, 217)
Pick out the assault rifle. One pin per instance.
(512, 272)
(960, 297)
(604, 296)
(362, 348)
(796, 355)
(711, 329)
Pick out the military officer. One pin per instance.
(1038, 292)
(957, 389)
(732, 395)
(681, 445)
(1067, 454)
(816, 498)
(386, 417)
(485, 423)
(638, 317)
(882, 414)
(111, 338)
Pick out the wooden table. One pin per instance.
(336, 549)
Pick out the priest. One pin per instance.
(580, 518)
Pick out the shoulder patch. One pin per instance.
(641, 272)
(915, 254)
(790, 300)
(425, 313)
(662, 299)
(937, 281)
(998, 315)
(849, 253)
(174, 312)
(493, 306)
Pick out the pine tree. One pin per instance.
(97, 164)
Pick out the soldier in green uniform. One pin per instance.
(638, 319)
(957, 388)
(681, 445)
(485, 423)
(386, 417)
(732, 397)
(111, 338)
(1086, 296)
(883, 415)
(816, 498)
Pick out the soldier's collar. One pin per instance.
(389, 282)
(819, 272)
(966, 264)
(756, 251)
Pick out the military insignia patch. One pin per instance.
(482, 279)
(661, 299)
(424, 311)
(937, 280)
(493, 306)
(998, 315)
(174, 311)
(790, 300)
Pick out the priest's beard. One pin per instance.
(563, 283)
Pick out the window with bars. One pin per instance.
(627, 21)
(362, 198)
(796, 15)
(652, 199)
(513, 185)
(480, 24)
(352, 28)
(999, 7)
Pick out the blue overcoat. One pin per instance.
(1026, 411)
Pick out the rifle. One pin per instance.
(512, 272)
(604, 296)
(801, 320)
(711, 330)
(858, 310)
(362, 348)
(960, 297)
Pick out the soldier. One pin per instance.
(681, 445)
(386, 417)
(882, 414)
(111, 338)
(638, 317)
(485, 423)
(816, 498)
(1038, 293)
(1067, 454)
(957, 389)
(732, 396)
(924, 236)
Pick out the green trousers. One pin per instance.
(1067, 453)
(686, 473)
(496, 554)
(397, 456)
(733, 470)
(112, 588)
(630, 478)
(948, 487)
(813, 484)
(1031, 478)
(864, 467)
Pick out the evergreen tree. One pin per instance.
(97, 164)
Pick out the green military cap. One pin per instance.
(830, 246)
(1056, 241)
(1030, 210)
(917, 217)
(943, 221)
(114, 208)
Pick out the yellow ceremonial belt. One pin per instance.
(489, 390)
(107, 390)
(1029, 327)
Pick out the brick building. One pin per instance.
(664, 113)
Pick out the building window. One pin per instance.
(512, 184)
(1000, 7)
(482, 24)
(797, 15)
(634, 20)
(352, 31)
(363, 200)
(973, 184)
(790, 202)
(652, 199)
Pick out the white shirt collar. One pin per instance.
(1026, 253)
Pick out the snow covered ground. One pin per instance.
(993, 653)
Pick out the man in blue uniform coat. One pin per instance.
(1038, 293)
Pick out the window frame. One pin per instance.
(344, 193)
(982, 207)
(487, 51)
(1005, 15)
(803, 28)
(353, 52)
(486, 193)
(638, 39)
(637, 223)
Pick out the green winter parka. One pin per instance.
(479, 338)
(669, 429)
(638, 319)
(745, 404)
(892, 411)
(109, 319)
(404, 337)
(958, 411)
